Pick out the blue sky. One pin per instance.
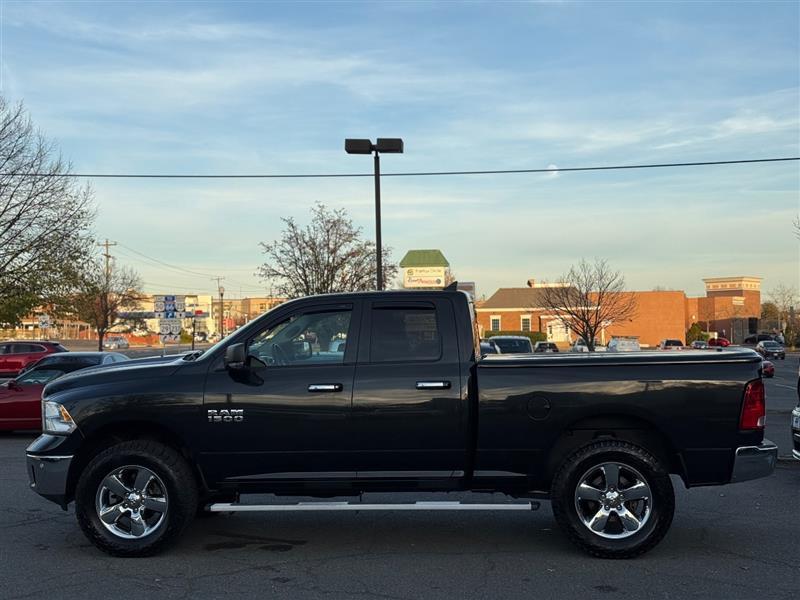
(257, 87)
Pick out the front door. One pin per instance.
(410, 409)
(287, 416)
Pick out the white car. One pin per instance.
(624, 344)
(115, 342)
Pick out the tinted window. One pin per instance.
(311, 338)
(27, 348)
(404, 334)
(513, 346)
(39, 376)
(771, 345)
(5, 349)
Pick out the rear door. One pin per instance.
(409, 408)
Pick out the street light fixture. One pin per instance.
(390, 146)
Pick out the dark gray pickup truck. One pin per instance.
(337, 395)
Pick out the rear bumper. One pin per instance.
(48, 476)
(754, 462)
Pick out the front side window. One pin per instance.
(39, 376)
(305, 339)
(405, 334)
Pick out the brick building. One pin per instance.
(730, 308)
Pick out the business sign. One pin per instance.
(423, 277)
(44, 321)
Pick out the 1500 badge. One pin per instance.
(226, 416)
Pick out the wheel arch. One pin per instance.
(122, 431)
(635, 429)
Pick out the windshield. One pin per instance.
(771, 345)
(509, 346)
(39, 376)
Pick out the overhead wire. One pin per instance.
(401, 174)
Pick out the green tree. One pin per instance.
(695, 333)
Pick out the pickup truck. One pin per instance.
(338, 395)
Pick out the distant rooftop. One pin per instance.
(424, 258)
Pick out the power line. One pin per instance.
(402, 174)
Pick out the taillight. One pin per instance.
(754, 407)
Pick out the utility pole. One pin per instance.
(221, 291)
(107, 254)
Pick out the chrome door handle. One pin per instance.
(433, 385)
(325, 387)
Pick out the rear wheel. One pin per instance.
(135, 497)
(613, 499)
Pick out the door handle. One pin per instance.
(325, 387)
(433, 385)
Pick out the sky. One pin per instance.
(271, 87)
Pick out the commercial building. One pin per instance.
(730, 308)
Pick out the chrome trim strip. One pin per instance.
(49, 458)
(338, 506)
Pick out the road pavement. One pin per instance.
(738, 541)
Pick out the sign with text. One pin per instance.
(423, 277)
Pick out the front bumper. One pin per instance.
(754, 462)
(48, 476)
(796, 433)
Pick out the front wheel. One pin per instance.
(135, 497)
(613, 499)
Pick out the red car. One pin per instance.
(767, 369)
(15, 356)
(719, 342)
(21, 398)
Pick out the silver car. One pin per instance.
(115, 342)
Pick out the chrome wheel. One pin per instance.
(613, 500)
(131, 502)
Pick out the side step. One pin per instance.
(304, 506)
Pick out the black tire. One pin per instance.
(179, 495)
(653, 514)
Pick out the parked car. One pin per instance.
(21, 398)
(408, 406)
(579, 346)
(758, 337)
(489, 348)
(719, 342)
(512, 344)
(545, 347)
(767, 369)
(15, 356)
(771, 349)
(624, 344)
(116, 342)
(699, 345)
(671, 345)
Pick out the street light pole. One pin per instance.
(360, 146)
(378, 245)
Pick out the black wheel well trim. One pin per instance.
(633, 429)
(121, 431)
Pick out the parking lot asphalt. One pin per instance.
(738, 541)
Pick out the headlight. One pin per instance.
(56, 418)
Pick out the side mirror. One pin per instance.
(235, 357)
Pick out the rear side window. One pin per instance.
(27, 349)
(405, 334)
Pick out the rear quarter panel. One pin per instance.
(524, 409)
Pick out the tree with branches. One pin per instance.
(327, 255)
(105, 291)
(588, 298)
(784, 298)
(45, 220)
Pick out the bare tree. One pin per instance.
(44, 219)
(327, 255)
(588, 298)
(103, 293)
(784, 298)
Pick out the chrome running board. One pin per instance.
(309, 506)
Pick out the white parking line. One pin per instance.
(791, 387)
